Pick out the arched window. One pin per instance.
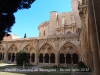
(46, 58)
(75, 58)
(62, 58)
(52, 58)
(44, 32)
(68, 59)
(32, 57)
(41, 58)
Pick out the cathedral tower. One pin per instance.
(75, 4)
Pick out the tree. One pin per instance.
(7, 10)
(21, 57)
(25, 36)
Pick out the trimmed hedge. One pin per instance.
(21, 57)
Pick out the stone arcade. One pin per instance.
(59, 42)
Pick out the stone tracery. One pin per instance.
(12, 53)
(30, 53)
(68, 54)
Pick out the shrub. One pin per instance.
(83, 67)
(21, 57)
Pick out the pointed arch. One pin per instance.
(46, 48)
(12, 52)
(46, 44)
(13, 49)
(29, 48)
(67, 47)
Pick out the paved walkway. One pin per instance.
(6, 64)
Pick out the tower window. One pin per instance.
(44, 33)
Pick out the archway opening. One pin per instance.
(13, 57)
(75, 58)
(41, 58)
(62, 58)
(68, 59)
(28, 56)
(52, 58)
(3, 56)
(46, 58)
(9, 56)
(0, 56)
(33, 57)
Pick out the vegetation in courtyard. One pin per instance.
(83, 67)
(21, 57)
(7, 10)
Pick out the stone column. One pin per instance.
(57, 51)
(1, 55)
(5, 53)
(43, 59)
(11, 57)
(49, 58)
(94, 38)
(15, 58)
(37, 52)
(30, 57)
(72, 60)
(65, 59)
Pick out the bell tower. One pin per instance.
(75, 4)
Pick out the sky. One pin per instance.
(28, 20)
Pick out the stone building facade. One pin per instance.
(90, 33)
(59, 41)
